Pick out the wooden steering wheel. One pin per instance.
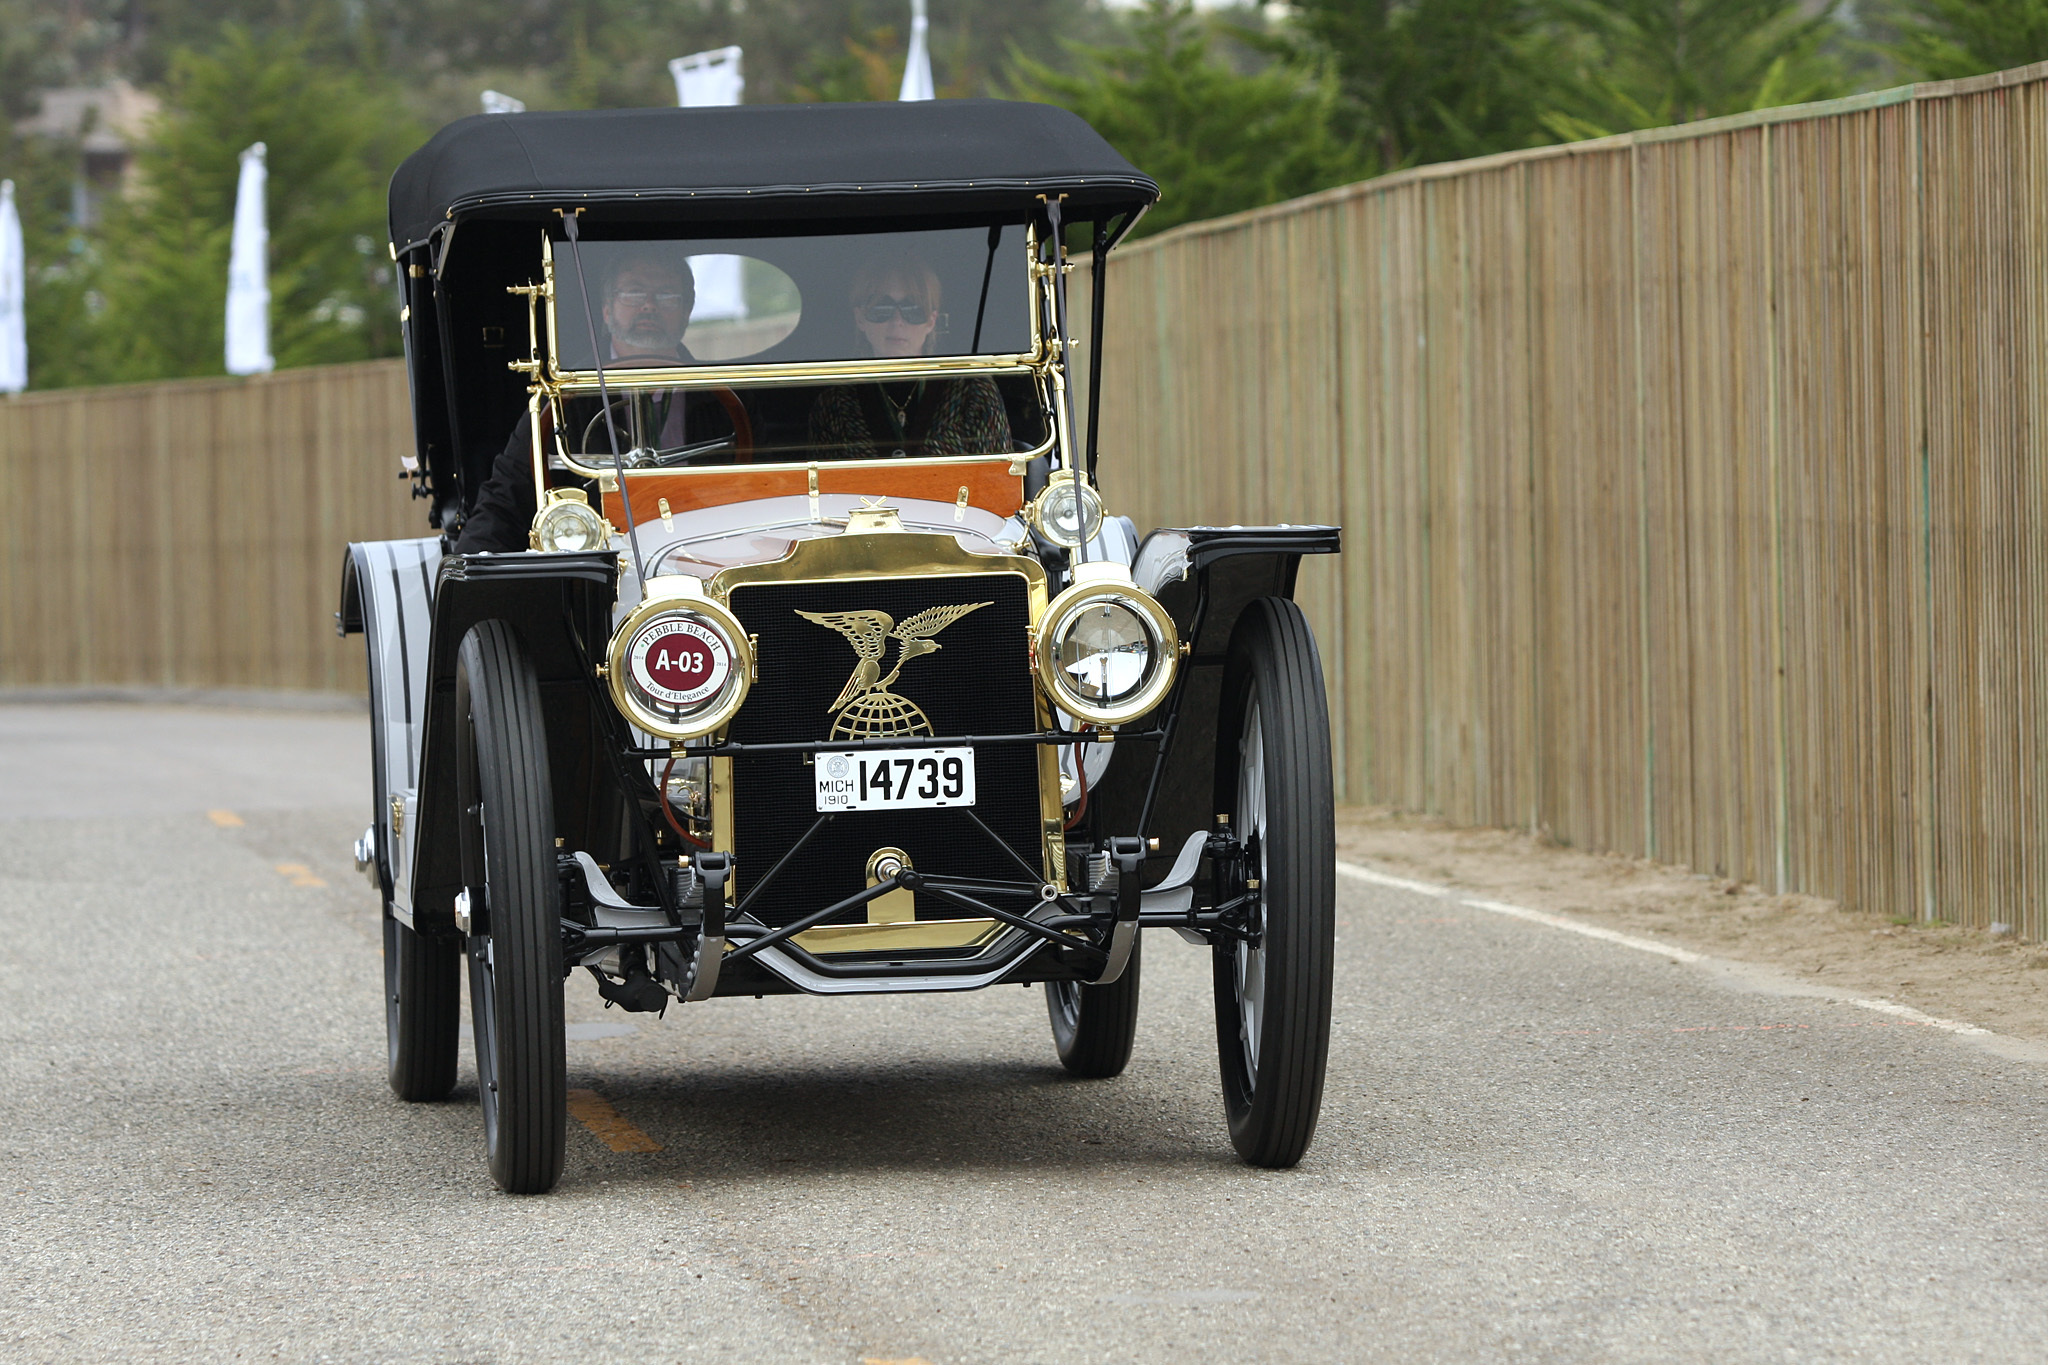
(742, 425)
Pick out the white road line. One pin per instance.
(1908, 1012)
(1641, 945)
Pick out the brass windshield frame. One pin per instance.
(560, 381)
(549, 384)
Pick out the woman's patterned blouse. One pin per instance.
(957, 417)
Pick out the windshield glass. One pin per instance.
(782, 300)
(922, 419)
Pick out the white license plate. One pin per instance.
(895, 779)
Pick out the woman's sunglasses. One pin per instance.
(913, 314)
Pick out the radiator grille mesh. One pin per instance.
(978, 682)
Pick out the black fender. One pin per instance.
(561, 607)
(1204, 576)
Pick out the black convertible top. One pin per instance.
(832, 160)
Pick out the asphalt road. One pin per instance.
(1535, 1146)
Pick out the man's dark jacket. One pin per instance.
(505, 506)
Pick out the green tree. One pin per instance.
(1944, 39)
(552, 53)
(589, 53)
(1620, 64)
(44, 45)
(1215, 139)
(1426, 80)
(161, 256)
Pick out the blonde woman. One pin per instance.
(895, 302)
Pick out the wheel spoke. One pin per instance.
(1251, 818)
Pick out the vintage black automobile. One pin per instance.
(776, 638)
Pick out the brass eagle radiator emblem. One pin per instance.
(866, 707)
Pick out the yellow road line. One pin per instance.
(226, 819)
(612, 1128)
(300, 874)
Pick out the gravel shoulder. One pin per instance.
(1997, 983)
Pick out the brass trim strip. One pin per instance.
(803, 372)
(879, 555)
(721, 822)
(882, 938)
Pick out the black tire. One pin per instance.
(422, 1011)
(1273, 777)
(1093, 1026)
(422, 977)
(508, 862)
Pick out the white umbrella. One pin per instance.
(249, 273)
(917, 71)
(13, 303)
(704, 79)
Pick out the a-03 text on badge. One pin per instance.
(895, 779)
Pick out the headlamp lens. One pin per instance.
(1069, 514)
(567, 527)
(1106, 652)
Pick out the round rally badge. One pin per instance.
(679, 662)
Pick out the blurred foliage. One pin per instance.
(1615, 65)
(1217, 140)
(1228, 109)
(1944, 39)
(603, 53)
(58, 256)
(43, 45)
(144, 295)
(1431, 81)
(163, 251)
(340, 91)
(871, 68)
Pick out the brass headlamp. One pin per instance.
(1106, 650)
(567, 522)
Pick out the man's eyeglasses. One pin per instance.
(639, 298)
(881, 310)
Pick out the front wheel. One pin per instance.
(1273, 987)
(515, 944)
(1093, 1026)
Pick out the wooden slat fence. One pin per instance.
(1694, 484)
(190, 534)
